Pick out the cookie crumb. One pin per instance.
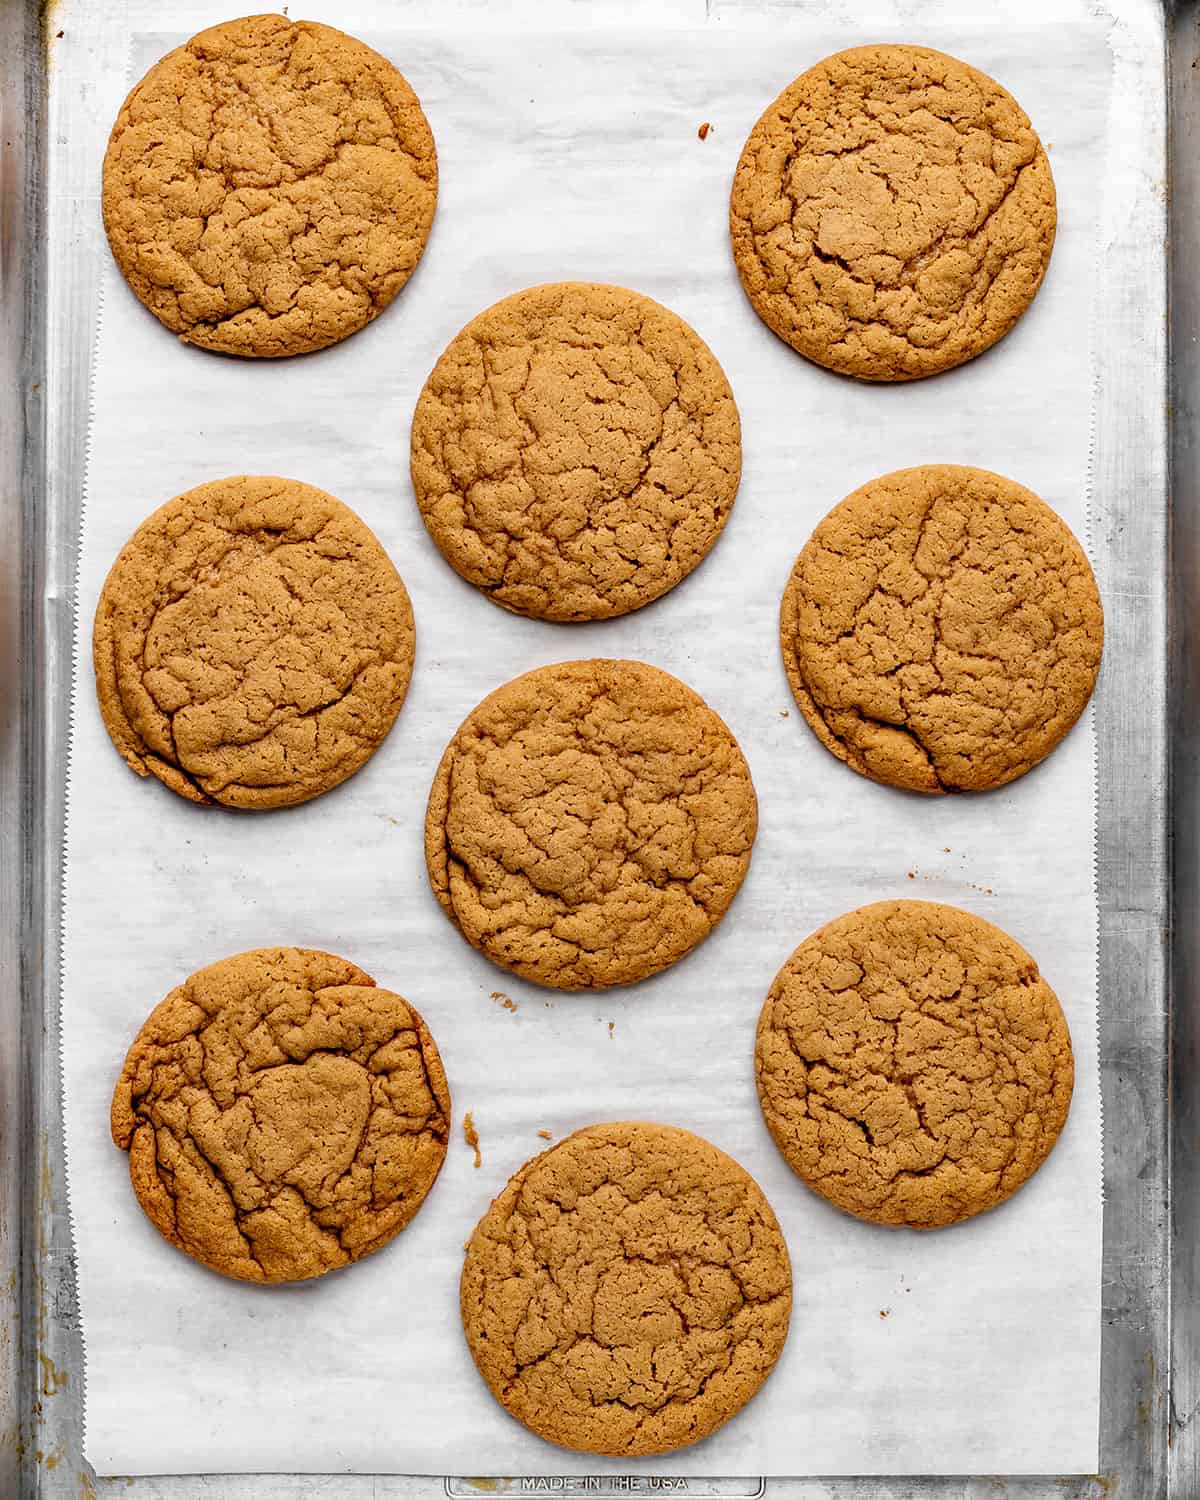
(946, 850)
(702, 132)
(58, 36)
(784, 713)
(885, 1312)
(471, 1136)
(611, 1024)
(506, 1001)
(912, 874)
(546, 1135)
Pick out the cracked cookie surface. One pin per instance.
(269, 187)
(590, 823)
(576, 451)
(253, 644)
(628, 1291)
(912, 1064)
(942, 629)
(892, 213)
(283, 1116)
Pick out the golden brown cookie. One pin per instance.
(576, 451)
(893, 213)
(253, 643)
(628, 1291)
(269, 187)
(942, 629)
(282, 1115)
(589, 823)
(912, 1064)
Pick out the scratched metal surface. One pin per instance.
(19, 445)
(52, 248)
(1185, 628)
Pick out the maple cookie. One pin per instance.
(912, 1064)
(576, 451)
(283, 1116)
(269, 187)
(628, 1292)
(942, 629)
(892, 213)
(253, 644)
(589, 824)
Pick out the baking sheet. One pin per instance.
(988, 1358)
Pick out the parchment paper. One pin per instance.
(972, 1350)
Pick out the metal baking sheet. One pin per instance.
(148, 885)
(52, 247)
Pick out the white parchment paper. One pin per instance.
(972, 1350)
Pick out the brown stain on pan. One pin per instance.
(48, 26)
(53, 1379)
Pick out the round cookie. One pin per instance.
(912, 1064)
(942, 629)
(269, 187)
(253, 644)
(628, 1291)
(283, 1116)
(892, 213)
(589, 823)
(576, 451)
